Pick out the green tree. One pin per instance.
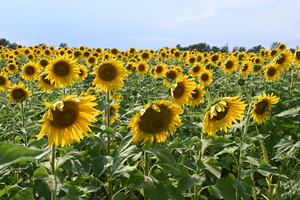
(274, 45)
(255, 49)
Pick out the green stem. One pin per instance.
(53, 169)
(108, 147)
(146, 167)
(23, 122)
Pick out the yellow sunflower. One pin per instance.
(160, 70)
(109, 75)
(297, 56)
(206, 77)
(222, 114)
(62, 71)
(145, 56)
(261, 105)
(197, 96)
(83, 72)
(182, 90)
(142, 67)
(155, 121)
(281, 46)
(18, 92)
(45, 84)
(30, 71)
(42, 63)
(196, 69)
(246, 68)
(4, 82)
(230, 65)
(271, 71)
(67, 120)
(12, 68)
(92, 60)
(283, 59)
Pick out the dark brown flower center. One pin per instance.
(141, 67)
(221, 115)
(297, 55)
(196, 94)
(261, 107)
(281, 59)
(214, 58)
(107, 72)
(44, 63)
(91, 60)
(154, 122)
(204, 77)
(271, 71)
(2, 80)
(229, 64)
(29, 70)
(61, 68)
(196, 69)
(18, 94)
(67, 116)
(171, 75)
(45, 80)
(158, 69)
(179, 90)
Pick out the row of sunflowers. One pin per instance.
(164, 124)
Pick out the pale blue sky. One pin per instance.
(151, 24)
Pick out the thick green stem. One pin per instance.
(53, 169)
(146, 167)
(23, 122)
(108, 147)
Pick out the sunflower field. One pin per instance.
(93, 123)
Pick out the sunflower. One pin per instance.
(83, 72)
(160, 70)
(12, 68)
(271, 71)
(30, 71)
(171, 74)
(92, 60)
(4, 82)
(142, 67)
(114, 108)
(62, 71)
(206, 77)
(42, 63)
(230, 65)
(132, 51)
(77, 54)
(114, 52)
(18, 92)
(246, 68)
(145, 56)
(30, 57)
(182, 90)
(191, 60)
(261, 105)
(109, 75)
(155, 121)
(197, 96)
(297, 56)
(283, 59)
(196, 69)
(66, 120)
(221, 115)
(176, 54)
(281, 46)
(45, 84)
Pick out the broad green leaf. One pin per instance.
(252, 160)
(79, 167)
(267, 170)
(26, 194)
(220, 141)
(222, 189)
(40, 173)
(12, 153)
(154, 189)
(292, 112)
(101, 163)
(53, 183)
(213, 166)
(243, 187)
(120, 196)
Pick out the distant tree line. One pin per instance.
(4, 42)
(201, 47)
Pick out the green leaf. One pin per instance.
(101, 163)
(222, 189)
(26, 194)
(267, 170)
(120, 196)
(292, 112)
(154, 189)
(78, 167)
(40, 173)
(252, 160)
(53, 183)
(213, 166)
(243, 187)
(12, 153)
(220, 141)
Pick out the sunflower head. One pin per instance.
(222, 114)
(4, 82)
(155, 121)
(182, 90)
(68, 119)
(30, 71)
(109, 75)
(18, 93)
(261, 105)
